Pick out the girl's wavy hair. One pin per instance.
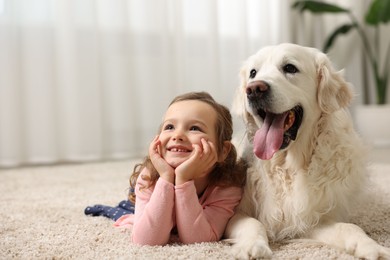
(231, 172)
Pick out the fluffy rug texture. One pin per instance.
(42, 217)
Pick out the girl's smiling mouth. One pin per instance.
(179, 149)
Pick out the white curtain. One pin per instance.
(90, 80)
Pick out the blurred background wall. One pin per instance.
(90, 80)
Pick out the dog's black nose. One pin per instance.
(256, 89)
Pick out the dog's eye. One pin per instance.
(252, 74)
(289, 68)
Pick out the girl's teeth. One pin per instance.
(178, 150)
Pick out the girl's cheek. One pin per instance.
(200, 140)
(163, 138)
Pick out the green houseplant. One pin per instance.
(378, 12)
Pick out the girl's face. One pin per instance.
(185, 123)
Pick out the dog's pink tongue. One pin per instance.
(269, 138)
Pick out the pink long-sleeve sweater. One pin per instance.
(161, 208)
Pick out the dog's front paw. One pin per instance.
(384, 252)
(251, 249)
(370, 250)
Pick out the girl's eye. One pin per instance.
(168, 127)
(195, 128)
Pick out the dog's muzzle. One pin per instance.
(278, 129)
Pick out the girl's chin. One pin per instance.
(175, 163)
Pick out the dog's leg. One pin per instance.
(249, 237)
(351, 238)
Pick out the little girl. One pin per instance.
(191, 181)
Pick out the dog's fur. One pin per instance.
(306, 188)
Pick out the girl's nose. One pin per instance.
(178, 136)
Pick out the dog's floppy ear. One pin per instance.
(238, 107)
(334, 92)
(240, 102)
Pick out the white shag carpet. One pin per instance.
(42, 217)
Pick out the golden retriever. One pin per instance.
(306, 162)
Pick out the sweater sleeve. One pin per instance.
(206, 221)
(154, 209)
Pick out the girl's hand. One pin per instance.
(163, 168)
(200, 163)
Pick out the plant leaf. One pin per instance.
(385, 78)
(386, 68)
(318, 7)
(343, 29)
(378, 12)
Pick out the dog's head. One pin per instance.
(284, 90)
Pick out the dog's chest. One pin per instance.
(283, 202)
(280, 184)
(274, 188)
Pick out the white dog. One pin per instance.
(306, 162)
